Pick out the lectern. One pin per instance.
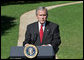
(43, 52)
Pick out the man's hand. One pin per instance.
(26, 44)
(47, 45)
(43, 45)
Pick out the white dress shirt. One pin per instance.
(39, 24)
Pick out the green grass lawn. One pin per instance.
(70, 19)
(10, 20)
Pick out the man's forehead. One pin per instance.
(42, 11)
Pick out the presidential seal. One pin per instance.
(30, 51)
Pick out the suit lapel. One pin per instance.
(46, 31)
(37, 28)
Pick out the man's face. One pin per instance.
(41, 16)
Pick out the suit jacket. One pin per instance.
(51, 35)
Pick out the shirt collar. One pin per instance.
(43, 24)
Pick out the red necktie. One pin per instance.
(41, 33)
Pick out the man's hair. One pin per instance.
(41, 8)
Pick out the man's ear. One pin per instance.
(47, 16)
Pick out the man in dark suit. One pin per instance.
(42, 32)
